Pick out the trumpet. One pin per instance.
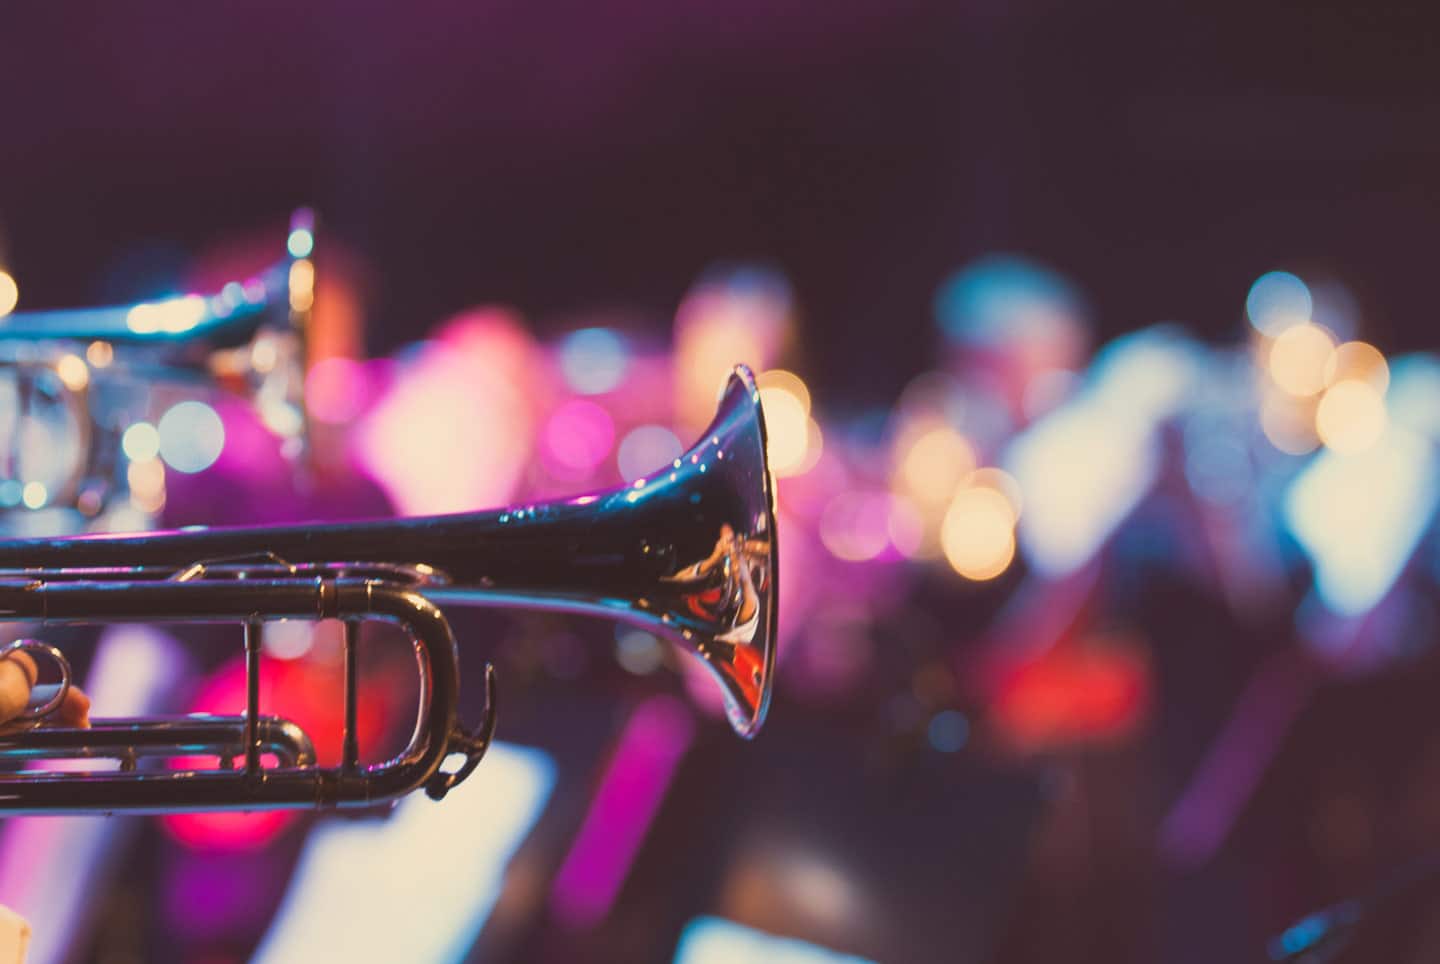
(688, 552)
(68, 378)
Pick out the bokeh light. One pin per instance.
(1001, 297)
(908, 532)
(990, 477)
(933, 463)
(191, 436)
(288, 638)
(855, 525)
(146, 481)
(1351, 417)
(1360, 361)
(9, 293)
(100, 354)
(593, 360)
(1355, 516)
(336, 390)
(736, 315)
(578, 437)
(1288, 423)
(140, 442)
(73, 372)
(175, 316)
(455, 430)
(978, 533)
(34, 495)
(1277, 301)
(645, 449)
(1299, 359)
(787, 427)
(948, 731)
(300, 243)
(302, 285)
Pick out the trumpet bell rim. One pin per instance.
(747, 722)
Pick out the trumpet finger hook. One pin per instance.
(472, 744)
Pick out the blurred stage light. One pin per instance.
(1082, 468)
(1351, 417)
(302, 285)
(435, 868)
(73, 372)
(336, 390)
(948, 731)
(1414, 396)
(578, 437)
(978, 533)
(651, 746)
(593, 360)
(140, 442)
(288, 638)
(191, 437)
(1288, 423)
(855, 525)
(34, 495)
(932, 465)
(711, 940)
(785, 381)
(470, 391)
(787, 430)
(1359, 517)
(9, 293)
(990, 477)
(1000, 296)
(174, 316)
(146, 481)
(1361, 362)
(645, 449)
(100, 354)
(1300, 358)
(300, 243)
(906, 529)
(1277, 301)
(1071, 694)
(736, 315)
(1146, 376)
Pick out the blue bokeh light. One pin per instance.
(1277, 300)
(593, 360)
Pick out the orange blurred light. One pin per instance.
(1001, 481)
(1300, 357)
(9, 294)
(1359, 361)
(100, 353)
(1351, 417)
(933, 464)
(73, 372)
(787, 429)
(978, 533)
